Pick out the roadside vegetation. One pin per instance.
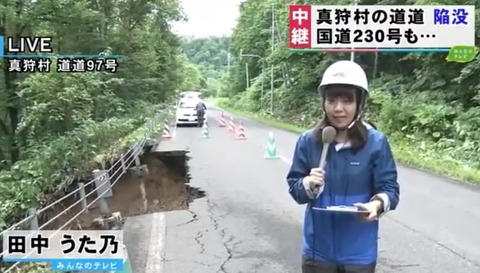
(429, 108)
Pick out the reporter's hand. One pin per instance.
(371, 210)
(316, 178)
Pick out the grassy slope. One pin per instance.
(404, 151)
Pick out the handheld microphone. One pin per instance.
(328, 136)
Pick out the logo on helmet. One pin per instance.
(339, 74)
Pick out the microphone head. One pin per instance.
(328, 134)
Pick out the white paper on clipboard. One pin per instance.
(341, 209)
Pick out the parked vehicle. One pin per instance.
(191, 95)
(186, 113)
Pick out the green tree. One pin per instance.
(210, 56)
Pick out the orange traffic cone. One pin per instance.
(231, 126)
(240, 132)
(221, 121)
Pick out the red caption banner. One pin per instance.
(299, 19)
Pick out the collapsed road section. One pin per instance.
(157, 182)
(165, 189)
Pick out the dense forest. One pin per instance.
(55, 128)
(209, 58)
(428, 107)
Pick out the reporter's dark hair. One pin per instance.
(358, 134)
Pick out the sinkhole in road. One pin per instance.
(166, 185)
(165, 188)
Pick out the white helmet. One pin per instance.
(345, 72)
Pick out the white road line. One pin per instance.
(156, 250)
(286, 160)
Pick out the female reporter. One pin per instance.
(359, 170)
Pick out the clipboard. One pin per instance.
(341, 209)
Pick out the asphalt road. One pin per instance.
(249, 223)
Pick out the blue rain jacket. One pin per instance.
(340, 238)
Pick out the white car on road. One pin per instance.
(186, 113)
(191, 94)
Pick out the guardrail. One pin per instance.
(101, 181)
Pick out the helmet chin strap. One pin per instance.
(355, 120)
(359, 117)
